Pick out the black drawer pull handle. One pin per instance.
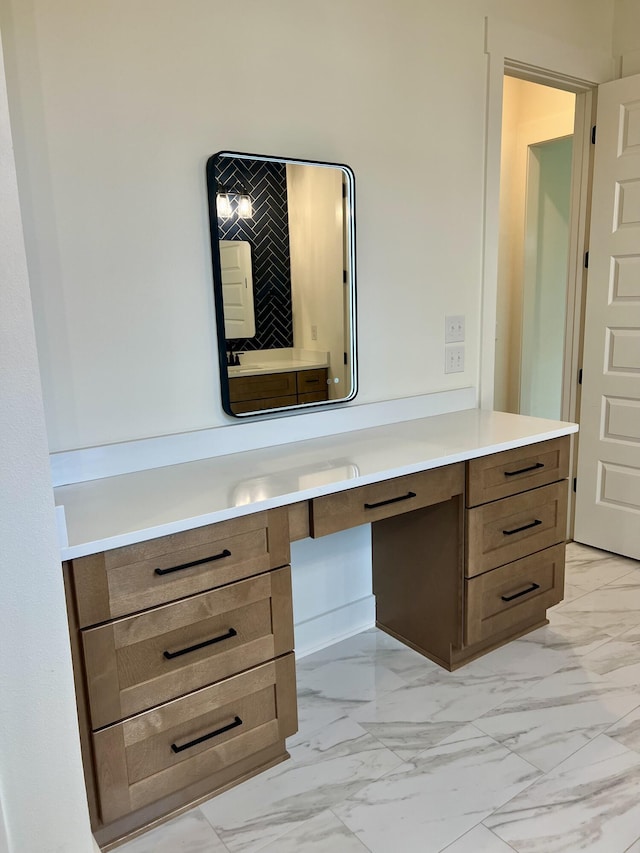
(391, 501)
(524, 470)
(311, 381)
(230, 633)
(532, 588)
(236, 722)
(224, 553)
(524, 527)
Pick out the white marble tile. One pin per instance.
(188, 833)
(529, 658)
(373, 646)
(428, 803)
(614, 608)
(337, 761)
(333, 689)
(618, 660)
(424, 713)
(627, 731)
(590, 569)
(591, 802)
(479, 840)
(324, 833)
(557, 716)
(565, 633)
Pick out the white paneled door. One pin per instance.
(608, 493)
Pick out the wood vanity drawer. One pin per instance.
(135, 663)
(509, 472)
(262, 385)
(366, 504)
(202, 735)
(261, 405)
(314, 396)
(124, 580)
(503, 531)
(312, 380)
(513, 594)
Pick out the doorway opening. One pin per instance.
(534, 249)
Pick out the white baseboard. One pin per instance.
(329, 628)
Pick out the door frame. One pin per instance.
(581, 75)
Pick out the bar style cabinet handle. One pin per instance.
(524, 470)
(532, 588)
(524, 527)
(230, 633)
(220, 556)
(391, 501)
(236, 722)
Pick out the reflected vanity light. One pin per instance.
(223, 206)
(244, 206)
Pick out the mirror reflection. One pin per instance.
(282, 242)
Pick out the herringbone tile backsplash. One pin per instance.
(268, 233)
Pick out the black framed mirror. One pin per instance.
(283, 256)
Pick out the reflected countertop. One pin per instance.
(260, 368)
(115, 511)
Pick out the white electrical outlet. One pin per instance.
(454, 359)
(454, 329)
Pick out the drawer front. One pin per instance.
(122, 581)
(261, 405)
(513, 594)
(314, 396)
(149, 756)
(513, 471)
(264, 385)
(141, 661)
(312, 380)
(503, 531)
(365, 504)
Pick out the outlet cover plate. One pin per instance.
(454, 329)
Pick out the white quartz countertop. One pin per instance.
(116, 511)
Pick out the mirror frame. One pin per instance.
(217, 281)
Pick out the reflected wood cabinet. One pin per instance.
(183, 645)
(275, 390)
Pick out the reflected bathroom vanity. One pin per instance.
(179, 590)
(283, 262)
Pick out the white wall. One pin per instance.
(531, 114)
(42, 799)
(116, 107)
(626, 36)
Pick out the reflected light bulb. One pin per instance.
(223, 206)
(245, 208)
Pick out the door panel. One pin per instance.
(608, 494)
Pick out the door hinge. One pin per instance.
(575, 484)
(344, 276)
(586, 260)
(345, 358)
(593, 135)
(580, 377)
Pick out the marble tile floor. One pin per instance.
(533, 748)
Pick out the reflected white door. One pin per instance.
(237, 289)
(608, 494)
